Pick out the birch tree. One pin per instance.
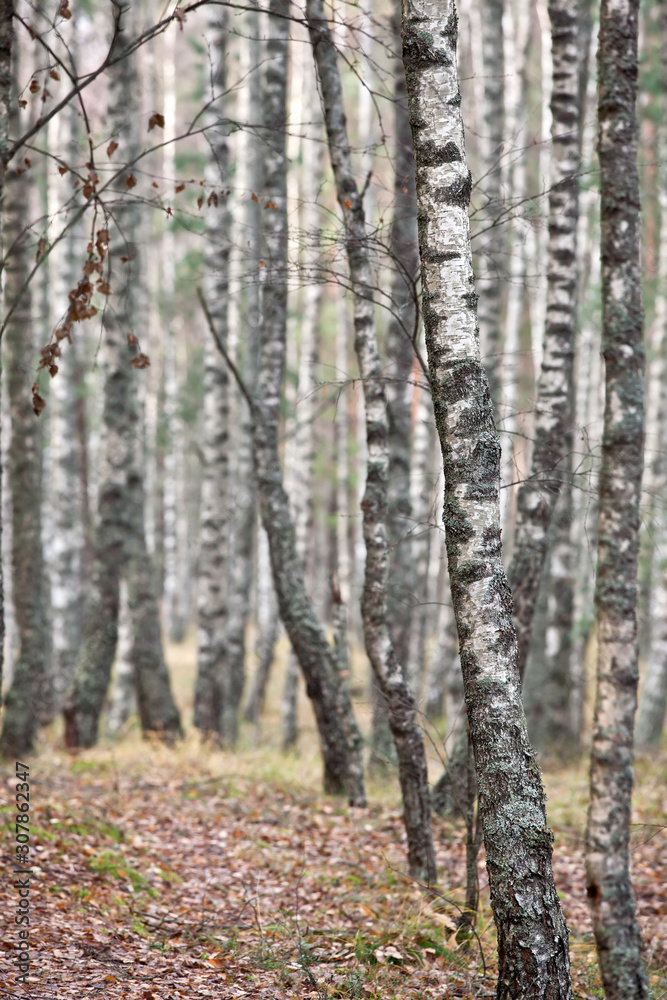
(653, 699)
(400, 701)
(493, 108)
(532, 935)
(68, 485)
(120, 541)
(245, 518)
(212, 689)
(608, 885)
(29, 695)
(6, 42)
(343, 767)
(553, 421)
(402, 334)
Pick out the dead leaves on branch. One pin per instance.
(38, 401)
(140, 360)
(81, 308)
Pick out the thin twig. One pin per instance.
(223, 350)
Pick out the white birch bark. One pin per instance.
(68, 499)
(6, 40)
(386, 668)
(653, 697)
(488, 255)
(516, 31)
(214, 564)
(608, 885)
(299, 432)
(342, 447)
(553, 422)
(424, 502)
(532, 935)
(267, 623)
(29, 695)
(120, 539)
(176, 608)
(339, 737)
(244, 514)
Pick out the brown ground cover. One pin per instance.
(168, 874)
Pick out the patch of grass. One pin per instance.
(113, 865)
(365, 950)
(352, 986)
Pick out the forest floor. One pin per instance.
(163, 874)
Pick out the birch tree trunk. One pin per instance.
(653, 698)
(267, 625)
(245, 522)
(120, 541)
(609, 889)
(401, 704)
(212, 685)
(300, 451)
(532, 935)
(176, 588)
(402, 334)
(317, 659)
(30, 692)
(6, 41)
(553, 429)
(548, 682)
(69, 501)
(489, 254)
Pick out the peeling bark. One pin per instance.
(401, 703)
(609, 889)
(532, 935)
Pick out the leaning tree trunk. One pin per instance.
(6, 40)
(401, 704)
(609, 889)
(553, 422)
(317, 659)
(402, 334)
(532, 935)
(30, 695)
(212, 669)
(120, 544)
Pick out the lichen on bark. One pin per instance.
(532, 935)
(609, 889)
